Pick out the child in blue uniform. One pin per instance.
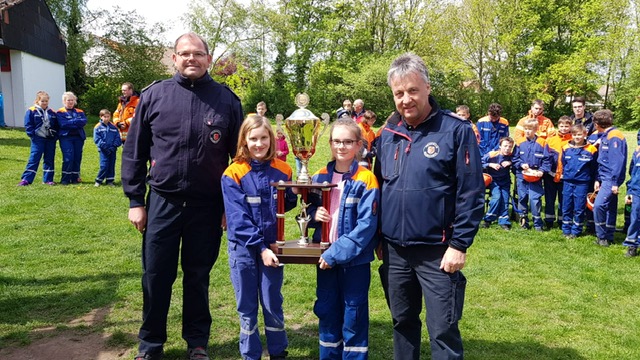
(250, 204)
(498, 165)
(107, 139)
(632, 241)
(344, 274)
(72, 121)
(530, 155)
(577, 169)
(41, 125)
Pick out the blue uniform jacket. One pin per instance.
(501, 177)
(612, 157)
(491, 133)
(107, 137)
(579, 163)
(72, 122)
(532, 152)
(187, 131)
(33, 120)
(431, 181)
(357, 216)
(250, 201)
(633, 185)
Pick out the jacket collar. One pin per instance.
(331, 167)
(186, 82)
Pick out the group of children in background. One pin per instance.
(45, 127)
(578, 159)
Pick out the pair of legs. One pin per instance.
(552, 191)
(413, 276)
(194, 233)
(574, 207)
(107, 170)
(253, 282)
(499, 204)
(342, 309)
(530, 197)
(45, 149)
(605, 211)
(71, 148)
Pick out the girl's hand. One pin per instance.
(269, 258)
(322, 215)
(323, 264)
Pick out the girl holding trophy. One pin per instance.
(344, 273)
(250, 204)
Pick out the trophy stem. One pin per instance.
(303, 177)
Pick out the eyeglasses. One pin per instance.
(347, 143)
(198, 55)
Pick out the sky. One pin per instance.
(168, 13)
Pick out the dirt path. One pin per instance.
(72, 344)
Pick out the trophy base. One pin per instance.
(293, 253)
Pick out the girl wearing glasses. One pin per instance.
(344, 273)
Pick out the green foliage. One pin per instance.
(101, 94)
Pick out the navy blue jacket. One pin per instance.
(612, 157)
(501, 177)
(431, 181)
(107, 137)
(186, 131)
(633, 185)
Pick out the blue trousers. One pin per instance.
(39, 147)
(633, 233)
(552, 191)
(175, 228)
(342, 309)
(71, 148)
(499, 204)
(414, 275)
(605, 210)
(530, 196)
(253, 282)
(107, 167)
(573, 207)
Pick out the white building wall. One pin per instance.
(30, 74)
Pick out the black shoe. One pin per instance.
(549, 225)
(631, 251)
(505, 227)
(281, 356)
(486, 224)
(147, 356)
(198, 353)
(602, 242)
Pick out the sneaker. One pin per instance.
(50, 183)
(198, 353)
(147, 356)
(23, 183)
(281, 356)
(631, 251)
(97, 184)
(602, 242)
(505, 227)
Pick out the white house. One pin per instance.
(32, 57)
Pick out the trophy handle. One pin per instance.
(325, 120)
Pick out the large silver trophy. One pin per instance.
(303, 129)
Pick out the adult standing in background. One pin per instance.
(126, 109)
(581, 116)
(426, 156)
(186, 128)
(545, 126)
(358, 110)
(345, 110)
(72, 121)
(492, 128)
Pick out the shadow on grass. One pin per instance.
(56, 300)
(16, 142)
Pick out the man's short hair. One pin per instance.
(261, 103)
(128, 85)
(538, 102)
(495, 109)
(579, 99)
(603, 118)
(564, 119)
(406, 64)
(193, 36)
(531, 124)
(358, 101)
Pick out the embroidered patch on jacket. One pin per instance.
(215, 136)
(431, 150)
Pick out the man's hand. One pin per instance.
(138, 217)
(453, 260)
(269, 258)
(596, 186)
(323, 264)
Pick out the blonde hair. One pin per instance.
(104, 112)
(531, 124)
(252, 122)
(41, 95)
(69, 95)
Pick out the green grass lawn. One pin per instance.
(66, 250)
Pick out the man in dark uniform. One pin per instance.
(426, 156)
(184, 133)
(581, 115)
